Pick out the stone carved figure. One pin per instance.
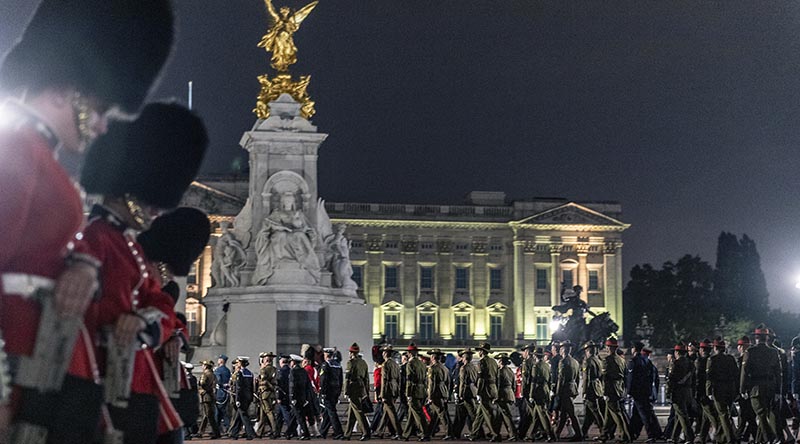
(229, 259)
(279, 40)
(286, 236)
(340, 264)
(335, 249)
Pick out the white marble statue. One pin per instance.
(286, 236)
(229, 259)
(340, 264)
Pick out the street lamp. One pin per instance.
(644, 329)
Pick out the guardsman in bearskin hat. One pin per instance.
(138, 168)
(207, 388)
(679, 387)
(172, 244)
(487, 393)
(75, 61)
(415, 392)
(722, 381)
(760, 380)
(613, 391)
(356, 388)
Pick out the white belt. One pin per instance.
(25, 285)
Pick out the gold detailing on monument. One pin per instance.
(279, 41)
(282, 83)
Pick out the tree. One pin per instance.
(678, 300)
(739, 282)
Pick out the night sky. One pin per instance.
(686, 112)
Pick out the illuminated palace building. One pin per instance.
(451, 275)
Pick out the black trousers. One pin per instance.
(643, 415)
(242, 419)
(330, 418)
(139, 421)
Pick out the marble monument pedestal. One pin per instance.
(282, 317)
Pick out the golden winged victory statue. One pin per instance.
(279, 40)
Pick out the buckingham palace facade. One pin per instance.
(487, 269)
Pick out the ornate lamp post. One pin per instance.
(644, 329)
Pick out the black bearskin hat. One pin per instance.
(177, 239)
(154, 158)
(111, 49)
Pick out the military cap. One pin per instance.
(612, 342)
(177, 238)
(207, 363)
(647, 351)
(719, 342)
(412, 347)
(546, 353)
(744, 340)
(680, 346)
(224, 357)
(328, 350)
(516, 358)
(539, 351)
(244, 361)
(235, 361)
(761, 330)
(153, 158)
(555, 344)
(638, 345)
(295, 358)
(435, 352)
(109, 49)
(425, 359)
(387, 348)
(705, 343)
(187, 365)
(566, 344)
(503, 357)
(354, 348)
(588, 344)
(266, 355)
(529, 347)
(466, 350)
(485, 346)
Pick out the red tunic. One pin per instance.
(120, 275)
(40, 212)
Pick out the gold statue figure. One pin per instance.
(279, 39)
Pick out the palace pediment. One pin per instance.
(571, 214)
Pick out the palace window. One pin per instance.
(594, 280)
(567, 278)
(495, 279)
(496, 247)
(391, 245)
(426, 278)
(541, 279)
(390, 277)
(191, 278)
(426, 245)
(356, 244)
(191, 323)
(462, 278)
(426, 326)
(390, 322)
(358, 275)
(462, 326)
(495, 328)
(462, 247)
(541, 327)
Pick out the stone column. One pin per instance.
(520, 304)
(529, 275)
(583, 273)
(555, 281)
(612, 269)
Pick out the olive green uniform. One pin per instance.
(567, 390)
(415, 392)
(540, 394)
(747, 427)
(207, 386)
(709, 417)
(592, 389)
(526, 412)
(267, 386)
(614, 390)
(722, 385)
(506, 385)
(438, 392)
(356, 387)
(679, 387)
(760, 379)
(390, 390)
(467, 394)
(487, 393)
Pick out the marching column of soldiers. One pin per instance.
(704, 384)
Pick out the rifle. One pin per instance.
(45, 369)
